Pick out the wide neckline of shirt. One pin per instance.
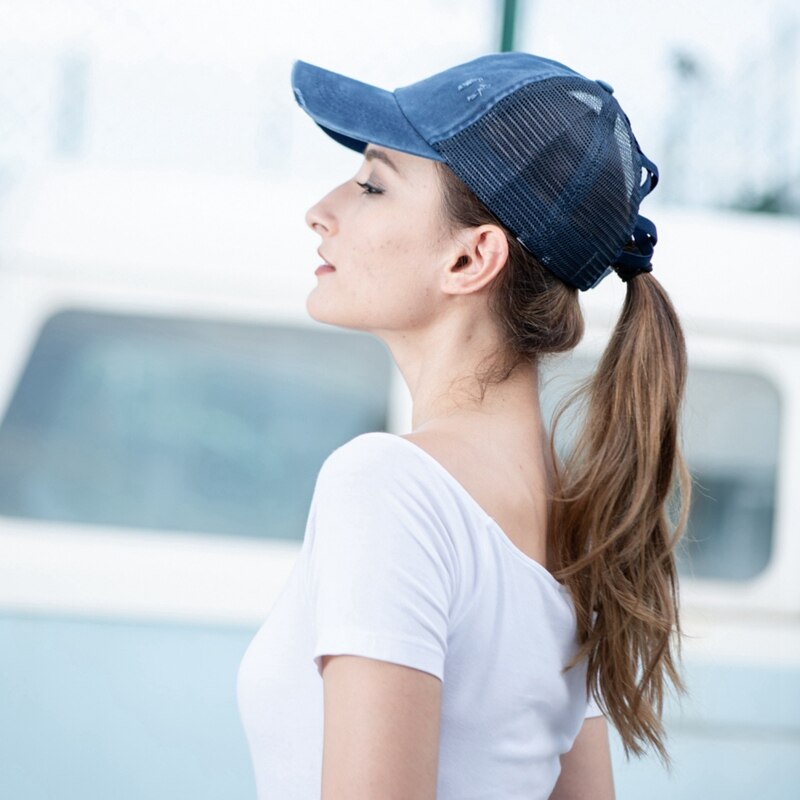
(537, 566)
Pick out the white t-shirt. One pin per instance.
(401, 564)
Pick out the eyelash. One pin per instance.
(369, 188)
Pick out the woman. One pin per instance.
(474, 608)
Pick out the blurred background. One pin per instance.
(166, 402)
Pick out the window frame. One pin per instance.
(121, 573)
(778, 362)
(106, 571)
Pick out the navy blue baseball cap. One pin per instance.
(549, 152)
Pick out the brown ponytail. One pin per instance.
(612, 540)
(615, 543)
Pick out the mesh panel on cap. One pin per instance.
(557, 163)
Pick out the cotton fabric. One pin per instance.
(400, 563)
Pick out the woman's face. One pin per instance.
(384, 233)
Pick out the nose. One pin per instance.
(320, 217)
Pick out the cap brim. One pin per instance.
(355, 113)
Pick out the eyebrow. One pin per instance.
(371, 154)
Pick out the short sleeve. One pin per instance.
(380, 571)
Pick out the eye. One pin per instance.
(369, 188)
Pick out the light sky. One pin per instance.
(619, 35)
(626, 42)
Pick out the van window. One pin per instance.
(184, 425)
(730, 432)
(731, 428)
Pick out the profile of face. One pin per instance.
(385, 234)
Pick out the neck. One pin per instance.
(513, 404)
(439, 362)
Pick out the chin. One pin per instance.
(328, 315)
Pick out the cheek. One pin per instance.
(388, 280)
(405, 260)
(385, 259)
(410, 260)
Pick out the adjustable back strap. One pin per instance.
(636, 256)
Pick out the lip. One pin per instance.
(323, 268)
(327, 263)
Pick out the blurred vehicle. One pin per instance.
(166, 402)
(166, 405)
(734, 280)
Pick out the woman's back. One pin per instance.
(504, 471)
(401, 563)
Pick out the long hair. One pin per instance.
(611, 532)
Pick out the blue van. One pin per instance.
(166, 402)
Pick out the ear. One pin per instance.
(480, 254)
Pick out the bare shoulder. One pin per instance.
(449, 450)
(465, 461)
(473, 459)
(507, 481)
